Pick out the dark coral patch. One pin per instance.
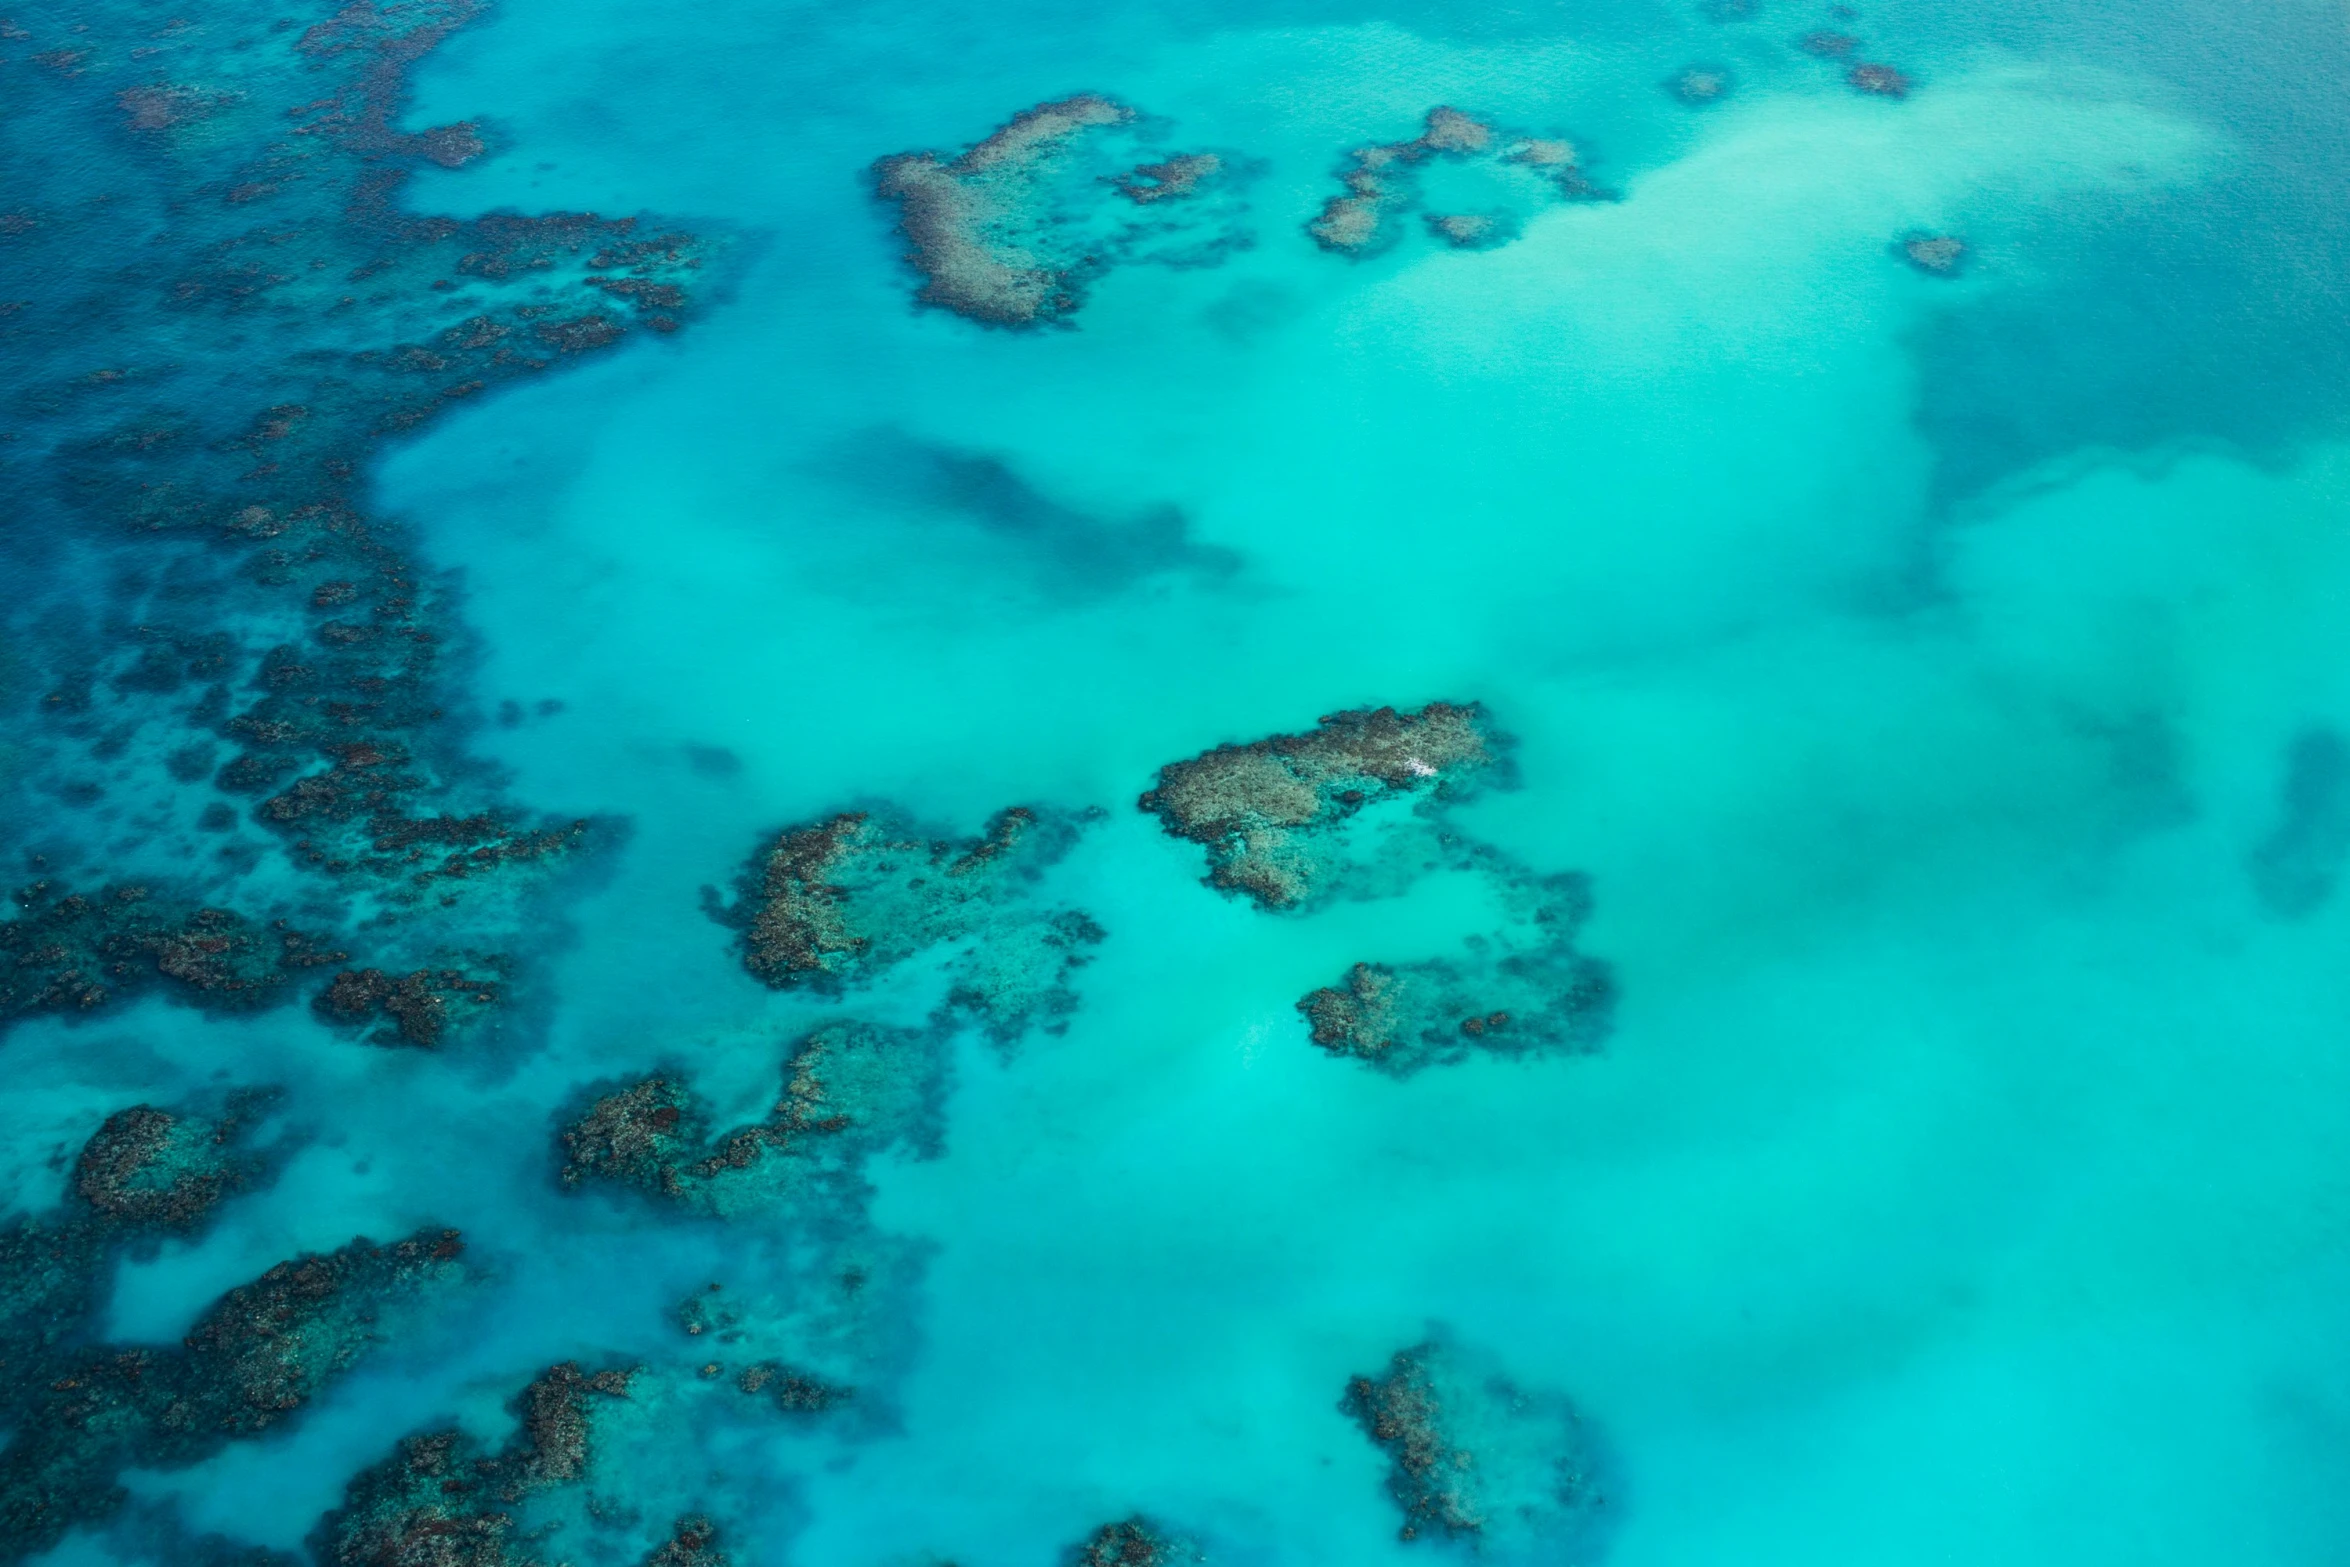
(1131, 1542)
(1382, 182)
(1272, 813)
(1522, 991)
(1878, 81)
(416, 1008)
(440, 1501)
(82, 1412)
(1010, 232)
(78, 952)
(850, 1090)
(1936, 255)
(841, 902)
(1477, 1459)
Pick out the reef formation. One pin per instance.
(80, 1410)
(1523, 991)
(1386, 181)
(837, 904)
(77, 953)
(1478, 1460)
(1863, 76)
(235, 309)
(441, 1501)
(1700, 84)
(850, 1090)
(1013, 230)
(1279, 816)
(1936, 255)
(1131, 1542)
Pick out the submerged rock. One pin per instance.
(149, 1168)
(82, 1413)
(77, 953)
(850, 1091)
(1473, 230)
(840, 903)
(1700, 84)
(1881, 81)
(231, 304)
(1382, 184)
(1477, 1459)
(1937, 255)
(416, 1008)
(693, 1543)
(441, 1501)
(1010, 232)
(1131, 1542)
(1523, 991)
(1273, 813)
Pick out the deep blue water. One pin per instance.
(1849, 1061)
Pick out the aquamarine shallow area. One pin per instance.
(1933, 675)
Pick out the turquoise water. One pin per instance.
(1937, 678)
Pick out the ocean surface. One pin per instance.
(1805, 651)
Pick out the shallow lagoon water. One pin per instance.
(1963, 1174)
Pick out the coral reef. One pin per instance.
(804, 1351)
(1473, 230)
(693, 1543)
(1700, 84)
(1273, 814)
(1383, 182)
(82, 1411)
(1881, 81)
(850, 1090)
(1170, 179)
(1011, 232)
(77, 952)
(1937, 255)
(1828, 45)
(404, 1009)
(1475, 1458)
(1524, 991)
(235, 308)
(439, 1501)
(1131, 1542)
(837, 904)
(150, 1169)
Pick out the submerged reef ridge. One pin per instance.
(837, 904)
(850, 1090)
(1524, 991)
(1273, 813)
(1131, 1542)
(81, 1410)
(1383, 183)
(440, 1499)
(1476, 1459)
(77, 953)
(236, 309)
(1010, 232)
